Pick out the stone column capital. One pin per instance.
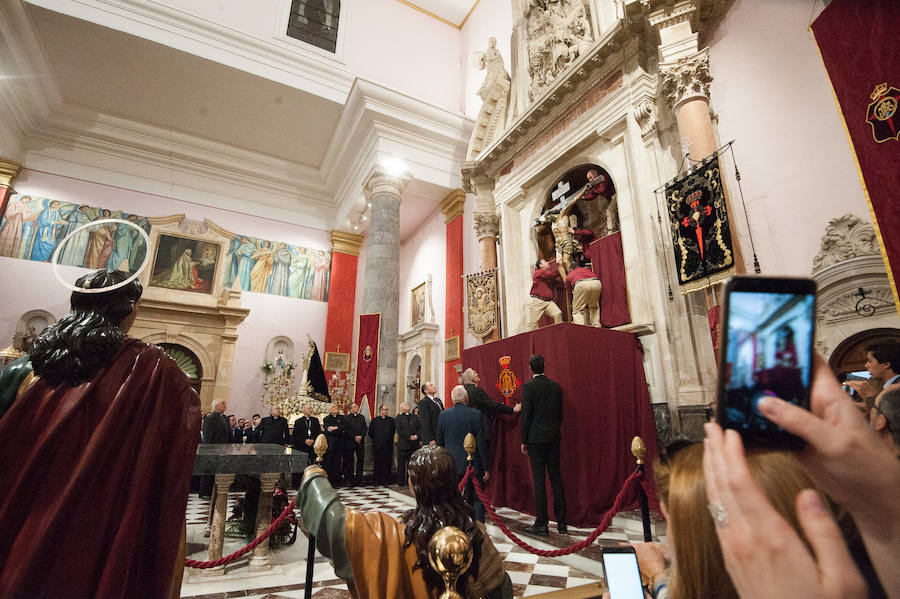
(9, 170)
(380, 181)
(487, 225)
(452, 205)
(686, 79)
(346, 243)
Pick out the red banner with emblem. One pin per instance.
(367, 360)
(858, 42)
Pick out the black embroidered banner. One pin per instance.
(699, 223)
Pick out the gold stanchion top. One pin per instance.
(638, 450)
(450, 553)
(320, 447)
(469, 445)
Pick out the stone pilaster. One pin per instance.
(259, 561)
(381, 284)
(487, 223)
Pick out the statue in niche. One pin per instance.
(559, 31)
(494, 93)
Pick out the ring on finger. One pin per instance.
(719, 513)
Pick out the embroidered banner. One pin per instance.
(367, 360)
(699, 226)
(858, 42)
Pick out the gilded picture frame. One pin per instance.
(417, 301)
(451, 349)
(337, 361)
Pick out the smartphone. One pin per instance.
(620, 567)
(767, 349)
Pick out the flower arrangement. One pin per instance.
(267, 367)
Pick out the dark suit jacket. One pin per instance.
(407, 426)
(252, 434)
(235, 435)
(453, 426)
(356, 425)
(304, 430)
(335, 438)
(428, 419)
(542, 410)
(215, 428)
(382, 431)
(274, 430)
(479, 400)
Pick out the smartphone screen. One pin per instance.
(622, 575)
(768, 344)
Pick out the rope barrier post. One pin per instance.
(639, 451)
(320, 447)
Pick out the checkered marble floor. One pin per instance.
(529, 573)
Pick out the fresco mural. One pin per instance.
(277, 268)
(33, 227)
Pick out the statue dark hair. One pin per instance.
(432, 474)
(86, 339)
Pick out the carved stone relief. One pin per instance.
(685, 79)
(494, 93)
(845, 237)
(645, 115)
(559, 31)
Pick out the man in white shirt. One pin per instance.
(430, 408)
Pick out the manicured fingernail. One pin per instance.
(768, 404)
(812, 502)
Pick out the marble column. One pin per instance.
(217, 529)
(259, 561)
(381, 283)
(454, 287)
(487, 228)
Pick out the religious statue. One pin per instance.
(494, 93)
(73, 429)
(382, 557)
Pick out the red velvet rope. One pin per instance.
(604, 524)
(465, 479)
(288, 511)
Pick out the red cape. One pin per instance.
(98, 479)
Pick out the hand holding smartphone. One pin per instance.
(766, 348)
(623, 578)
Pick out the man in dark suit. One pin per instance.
(542, 409)
(306, 431)
(429, 409)
(274, 428)
(354, 446)
(479, 399)
(215, 429)
(382, 429)
(235, 434)
(453, 426)
(252, 433)
(407, 440)
(334, 425)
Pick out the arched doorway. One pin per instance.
(850, 355)
(187, 361)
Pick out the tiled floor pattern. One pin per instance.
(529, 573)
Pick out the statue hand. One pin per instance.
(517, 408)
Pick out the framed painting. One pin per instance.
(337, 361)
(417, 305)
(451, 349)
(185, 264)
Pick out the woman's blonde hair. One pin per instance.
(699, 567)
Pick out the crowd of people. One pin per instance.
(823, 521)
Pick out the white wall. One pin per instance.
(772, 95)
(35, 287)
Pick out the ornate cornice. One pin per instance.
(685, 79)
(645, 114)
(487, 225)
(452, 205)
(683, 11)
(346, 243)
(9, 170)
